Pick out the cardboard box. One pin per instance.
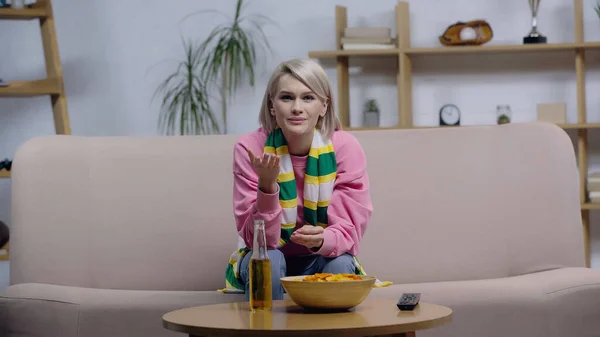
(552, 112)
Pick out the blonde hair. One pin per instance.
(312, 75)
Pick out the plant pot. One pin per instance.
(503, 114)
(371, 119)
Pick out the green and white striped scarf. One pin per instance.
(320, 174)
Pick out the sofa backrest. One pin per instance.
(155, 212)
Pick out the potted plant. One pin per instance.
(503, 114)
(185, 107)
(216, 67)
(371, 114)
(597, 8)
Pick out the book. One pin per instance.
(368, 32)
(361, 46)
(383, 40)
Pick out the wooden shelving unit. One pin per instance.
(405, 54)
(5, 257)
(4, 174)
(23, 14)
(32, 88)
(53, 84)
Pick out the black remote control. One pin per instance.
(408, 301)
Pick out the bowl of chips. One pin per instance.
(328, 291)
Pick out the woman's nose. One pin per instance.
(296, 108)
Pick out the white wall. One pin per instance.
(115, 53)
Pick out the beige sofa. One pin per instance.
(111, 233)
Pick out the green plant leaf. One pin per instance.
(184, 98)
(221, 63)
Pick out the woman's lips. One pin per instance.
(296, 120)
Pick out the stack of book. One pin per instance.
(593, 187)
(356, 38)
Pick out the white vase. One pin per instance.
(18, 4)
(371, 119)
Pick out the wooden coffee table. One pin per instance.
(371, 318)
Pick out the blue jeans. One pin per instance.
(292, 266)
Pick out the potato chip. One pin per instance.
(327, 277)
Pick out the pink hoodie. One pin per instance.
(349, 210)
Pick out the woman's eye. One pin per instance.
(309, 98)
(286, 97)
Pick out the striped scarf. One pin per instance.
(320, 174)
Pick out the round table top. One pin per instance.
(372, 317)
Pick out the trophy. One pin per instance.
(534, 36)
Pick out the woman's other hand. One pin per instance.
(309, 236)
(267, 168)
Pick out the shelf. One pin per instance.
(405, 54)
(5, 257)
(591, 206)
(371, 128)
(506, 49)
(4, 174)
(22, 14)
(563, 126)
(31, 88)
(362, 52)
(580, 126)
(510, 49)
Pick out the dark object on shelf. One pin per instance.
(483, 34)
(6, 164)
(535, 39)
(4, 234)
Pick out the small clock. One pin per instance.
(449, 115)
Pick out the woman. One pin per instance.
(316, 213)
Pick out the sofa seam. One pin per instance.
(37, 299)
(572, 287)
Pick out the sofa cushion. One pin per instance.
(560, 302)
(33, 309)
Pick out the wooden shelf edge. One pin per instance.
(48, 86)
(590, 206)
(580, 126)
(4, 174)
(360, 128)
(503, 48)
(5, 257)
(458, 50)
(563, 126)
(362, 52)
(22, 14)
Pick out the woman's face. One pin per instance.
(295, 107)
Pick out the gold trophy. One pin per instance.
(534, 36)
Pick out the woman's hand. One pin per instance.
(267, 168)
(309, 236)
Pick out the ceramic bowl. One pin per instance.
(336, 295)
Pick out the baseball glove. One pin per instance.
(483, 32)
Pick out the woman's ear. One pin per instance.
(324, 112)
(271, 109)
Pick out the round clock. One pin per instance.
(449, 115)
